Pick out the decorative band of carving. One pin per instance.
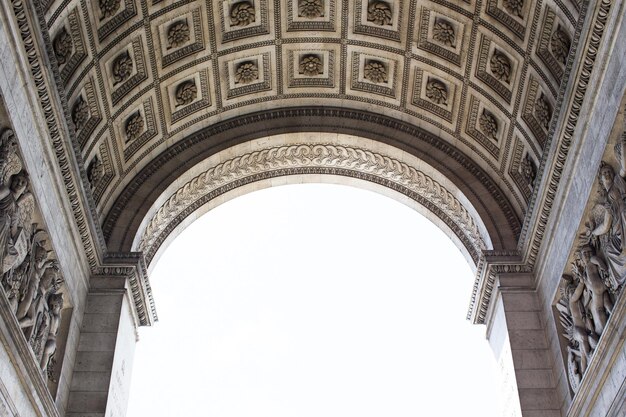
(309, 159)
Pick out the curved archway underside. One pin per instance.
(260, 162)
(153, 87)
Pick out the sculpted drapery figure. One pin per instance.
(599, 269)
(574, 319)
(608, 225)
(30, 276)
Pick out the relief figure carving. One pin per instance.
(608, 224)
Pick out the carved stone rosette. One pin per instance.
(30, 277)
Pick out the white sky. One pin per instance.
(313, 301)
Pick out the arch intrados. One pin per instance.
(124, 217)
(285, 159)
(309, 179)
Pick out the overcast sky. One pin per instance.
(313, 301)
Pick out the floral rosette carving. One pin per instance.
(500, 66)
(108, 8)
(242, 14)
(134, 126)
(513, 7)
(375, 72)
(246, 73)
(528, 170)
(560, 44)
(311, 65)
(177, 34)
(443, 32)
(122, 68)
(379, 13)
(437, 92)
(488, 124)
(310, 9)
(62, 45)
(95, 171)
(186, 92)
(80, 113)
(543, 111)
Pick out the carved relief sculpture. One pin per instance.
(30, 277)
(560, 44)
(443, 32)
(310, 9)
(514, 7)
(242, 14)
(246, 72)
(528, 170)
(607, 227)
(500, 66)
(55, 303)
(573, 318)
(599, 270)
(186, 92)
(108, 8)
(177, 34)
(62, 45)
(543, 111)
(437, 92)
(95, 171)
(134, 126)
(379, 13)
(375, 71)
(488, 124)
(311, 65)
(122, 68)
(80, 113)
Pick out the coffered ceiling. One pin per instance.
(479, 78)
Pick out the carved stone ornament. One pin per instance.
(375, 72)
(379, 13)
(80, 113)
(528, 170)
(246, 72)
(30, 277)
(314, 156)
(95, 171)
(242, 14)
(543, 111)
(62, 45)
(488, 124)
(513, 7)
(134, 126)
(108, 8)
(605, 228)
(122, 68)
(500, 66)
(437, 92)
(443, 32)
(560, 44)
(311, 65)
(177, 34)
(186, 92)
(311, 9)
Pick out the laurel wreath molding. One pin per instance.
(344, 160)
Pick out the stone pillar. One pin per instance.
(105, 353)
(516, 322)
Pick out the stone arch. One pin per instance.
(499, 219)
(314, 157)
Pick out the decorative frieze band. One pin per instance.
(289, 160)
